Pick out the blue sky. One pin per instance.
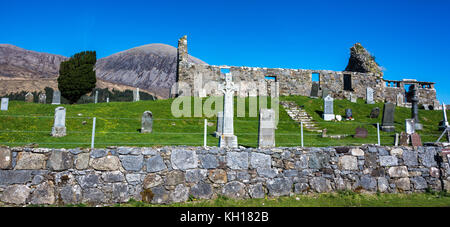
(410, 39)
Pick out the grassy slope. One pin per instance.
(118, 124)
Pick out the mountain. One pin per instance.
(152, 67)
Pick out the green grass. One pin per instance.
(118, 123)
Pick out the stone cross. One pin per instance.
(328, 113)
(266, 135)
(29, 97)
(415, 110)
(147, 122)
(136, 97)
(219, 124)
(387, 124)
(59, 126)
(56, 97)
(228, 139)
(42, 98)
(5, 102)
(369, 96)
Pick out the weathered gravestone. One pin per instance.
(369, 95)
(415, 140)
(59, 126)
(404, 139)
(325, 92)
(228, 139)
(353, 98)
(375, 113)
(147, 122)
(96, 97)
(5, 103)
(266, 135)
(29, 97)
(387, 124)
(136, 97)
(42, 98)
(361, 133)
(315, 90)
(399, 99)
(348, 114)
(409, 126)
(328, 113)
(219, 124)
(56, 100)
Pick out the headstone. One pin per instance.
(400, 99)
(5, 103)
(375, 112)
(369, 96)
(266, 136)
(328, 113)
(42, 98)
(136, 97)
(397, 137)
(387, 124)
(219, 124)
(107, 100)
(56, 97)
(404, 139)
(353, 98)
(59, 126)
(29, 97)
(348, 114)
(315, 90)
(147, 122)
(409, 126)
(96, 97)
(228, 139)
(361, 133)
(415, 110)
(325, 92)
(415, 140)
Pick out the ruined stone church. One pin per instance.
(201, 80)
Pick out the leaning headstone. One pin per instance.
(369, 95)
(348, 114)
(415, 140)
(387, 124)
(56, 97)
(136, 95)
(328, 113)
(42, 98)
(29, 97)
(59, 126)
(147, 122)
(314, 90)
(219, 124)
(228, 139)
(5, 103)
(375, 112)
(361, 133)
(266, 135)
(409, 126)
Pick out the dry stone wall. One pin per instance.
(175, 174)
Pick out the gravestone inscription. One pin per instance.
(369, 95)
(328, 113)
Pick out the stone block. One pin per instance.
(403, 184)
(258, 160)
(208, 161)
(320, 184)
(152, 180)
(256, 191)
(196, 175)
(155, 164)
(82, 161)
(8, 177)
(234, 190)
(400, 171)
(43, 194)
(279, 186)
(113, 177)
(132, 162)
(180, 194)
(237, 160)
(108, 163)
(348, 162)
(388, 160)
(357, 152)
(174, 178)
(218, 176)
(60, 160)
(201, 191)
(28, 160)
(5, 158)
(184, 159)
(15, 194)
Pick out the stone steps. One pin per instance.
(297, 114)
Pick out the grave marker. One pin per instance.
(42, 98)
(228, 139)
(328, 114)
(369, 96)
(147, 122)
(29, 97)
(5, 103)
(59, 126)
(388, 118)
(266, 135)
(56, 100)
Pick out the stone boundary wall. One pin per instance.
(176, 174)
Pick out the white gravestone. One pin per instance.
(107, 100)
(56, 98)
(136, 97)
(147, 122)
(5, 102)
(353, 98)
(59, 126)
(266, 135)
(328, 114)
(42, 98)
(369, 96)
(409, 126)
(228, 139)
(29, 97)
(96, 97)
(399, 99)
